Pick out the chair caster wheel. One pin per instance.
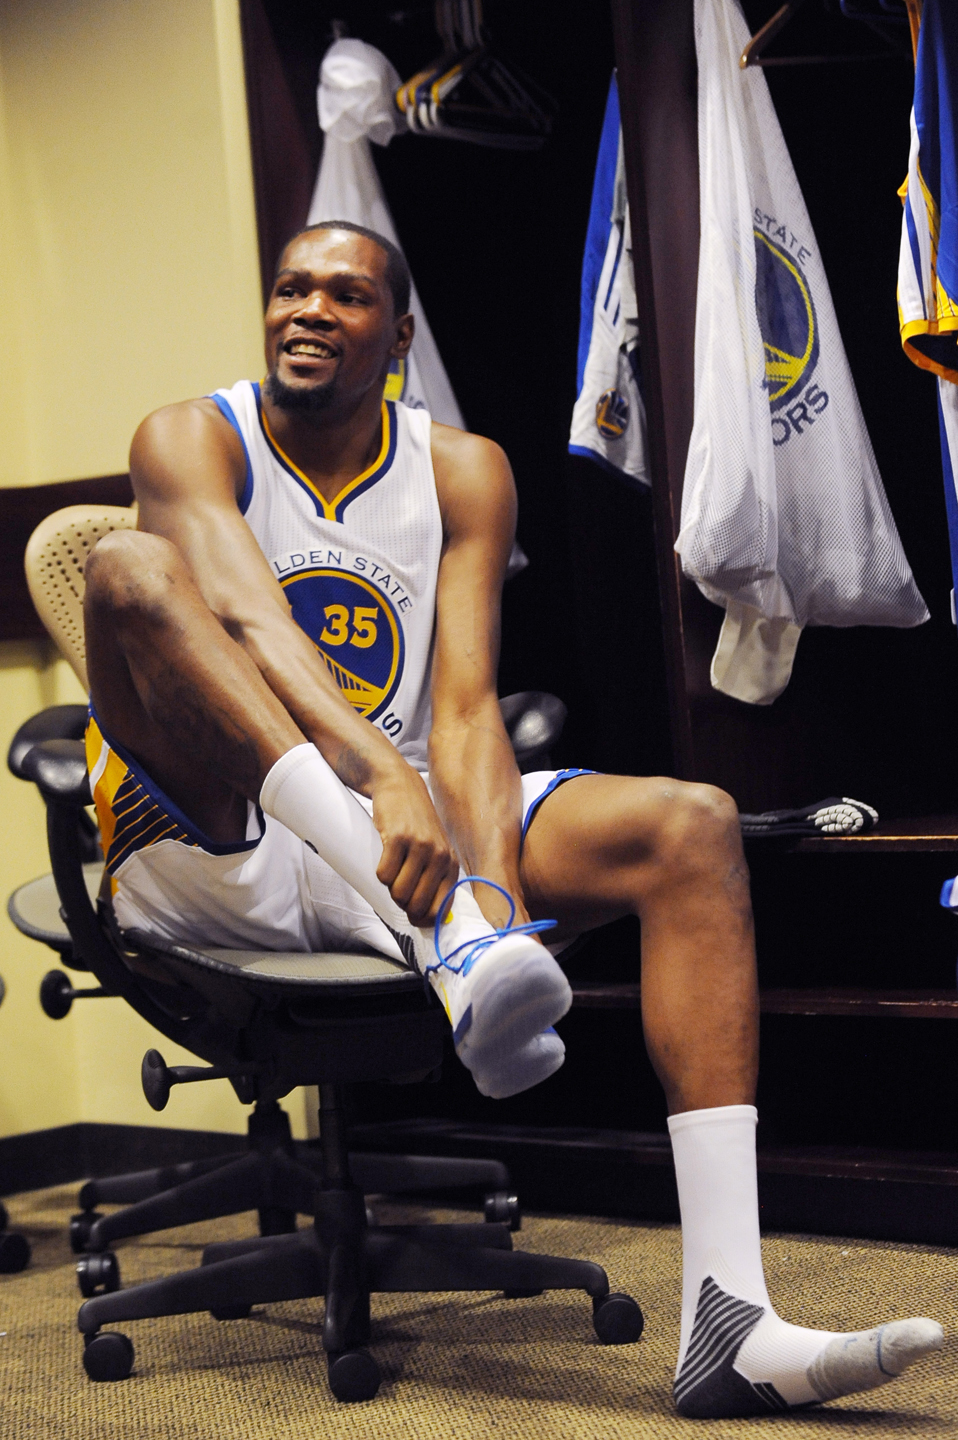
(98, 1274)
(617, 1319)
(231, 1312)
(14, 1253)
(108, 1356)
(80, 1227)
(353, 1375)
(501, 1208)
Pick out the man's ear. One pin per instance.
(405, 330)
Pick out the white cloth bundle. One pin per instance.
(785, 522)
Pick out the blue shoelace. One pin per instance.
(478, 948)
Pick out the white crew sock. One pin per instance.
(303, 793)
(736, 1356)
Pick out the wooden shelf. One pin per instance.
(887, 1004)
(892, 1004)
(927, 833)
(907, 1196)
(598, 995)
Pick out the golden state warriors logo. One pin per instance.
(355, 629)
(786, 317)
(612, 415)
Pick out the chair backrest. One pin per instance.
(55, 556)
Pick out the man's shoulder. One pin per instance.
(456, 448)
(474, 481)
(182, 415)
(181, 434)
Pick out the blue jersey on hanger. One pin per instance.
(928, 270)
(928, 261)
(608, 421)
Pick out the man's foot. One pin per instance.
(511, 993)
(535, 1062)
(501, 990)
(743, 1360)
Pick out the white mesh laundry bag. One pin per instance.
(355, 98)
(784, 521)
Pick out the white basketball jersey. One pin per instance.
(359, 571)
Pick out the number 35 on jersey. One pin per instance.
(356, 630)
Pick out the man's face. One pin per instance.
(330, 321)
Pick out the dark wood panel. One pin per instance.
(655, 60)
(284, 136)
(21, 510)
(87, 1149)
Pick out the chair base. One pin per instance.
(14, 1248)
(275, 1176)
(345, 1260)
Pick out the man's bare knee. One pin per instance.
(131, 573)
(699, 825)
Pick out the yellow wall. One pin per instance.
(127, 228)
(129, 280)
(38, 1060)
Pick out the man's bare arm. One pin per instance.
(187, 464)
(475, 779)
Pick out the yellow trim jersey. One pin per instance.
(359, 571)
(928, 259)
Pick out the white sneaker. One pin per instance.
(500, 989)
(533, 1063)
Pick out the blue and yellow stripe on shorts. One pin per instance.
(132, 816)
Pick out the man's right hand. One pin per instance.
(418, 864)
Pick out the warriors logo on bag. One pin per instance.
(786, 316)
(355, 629)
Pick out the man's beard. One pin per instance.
(311, 402)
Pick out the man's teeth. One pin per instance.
(303, 347)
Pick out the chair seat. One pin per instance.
(35, 907)
(339, 971)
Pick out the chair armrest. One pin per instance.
(534, 721)
(57, 722)
(58, 769)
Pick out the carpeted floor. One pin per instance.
(454, 1368)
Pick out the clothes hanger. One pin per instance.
(471, 94)
(881, 15)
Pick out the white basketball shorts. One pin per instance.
(269, 893)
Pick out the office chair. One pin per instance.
(269, 1022)
(260, 1177)
(14, 1248)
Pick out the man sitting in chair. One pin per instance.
(295, 743)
